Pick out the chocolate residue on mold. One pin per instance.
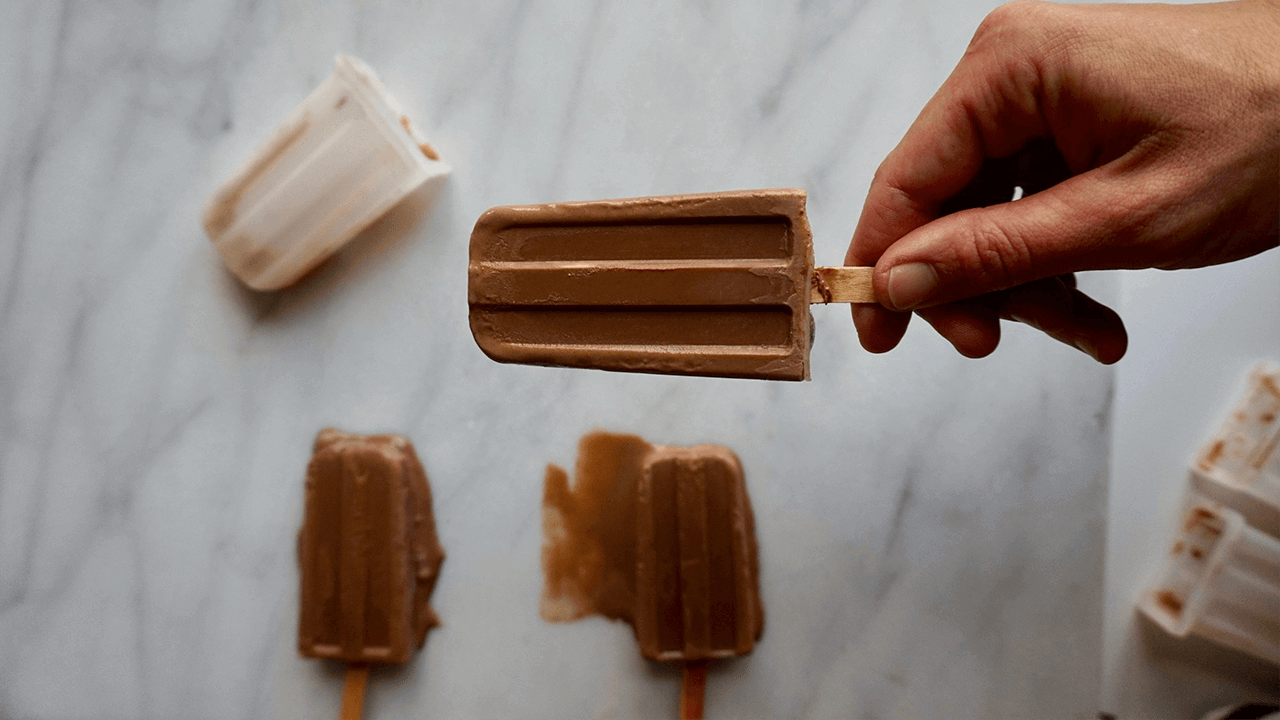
(660, 537)
(1211, 523)
(1269, 383)
(1169, 601)
(1211, 457)
(423, 146)
(221, 211)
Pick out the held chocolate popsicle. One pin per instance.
(715, 284)
(368, 554)
(662, 538)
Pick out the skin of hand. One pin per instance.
(1142, 136)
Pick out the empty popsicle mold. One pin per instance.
(1240, 464)
(1221, 581)
(338, 162)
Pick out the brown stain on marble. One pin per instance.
(662, 538)
(588, 557)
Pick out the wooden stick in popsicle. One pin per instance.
(842, 285)
(693, 687)
(353, 691)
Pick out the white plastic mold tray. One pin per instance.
(1221, 581)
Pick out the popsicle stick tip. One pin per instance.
(693, 690)
(842, 285)
(353, 688)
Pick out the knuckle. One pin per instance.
(1010, 24)
(1021, 13)
(880, 175)
(994, 257)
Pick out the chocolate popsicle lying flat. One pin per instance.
(368, 555)
(697, 590)
(715, 284)
(661, 537)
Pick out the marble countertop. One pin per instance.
(932, 529)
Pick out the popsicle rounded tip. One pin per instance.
(693, 690)
(326, 437)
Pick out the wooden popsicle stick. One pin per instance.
(693, 688)
(353, 691)
(842, 285)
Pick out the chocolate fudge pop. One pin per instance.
(368, 554)
(715, 284)
(662, 538)
(697, 585)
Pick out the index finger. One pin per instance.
(988, 107)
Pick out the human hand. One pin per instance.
(1149, 135)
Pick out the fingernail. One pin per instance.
(911, 284)
(1024, 320)
(1087, 348)
(865, 314)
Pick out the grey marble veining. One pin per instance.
(931, 527)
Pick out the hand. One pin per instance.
(1141, 136)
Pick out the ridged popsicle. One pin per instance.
(368, 551)
(697, 566)
(713, 284)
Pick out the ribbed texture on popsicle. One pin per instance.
(660, 537)
(695, 590)
(367, 549)
(714, 284)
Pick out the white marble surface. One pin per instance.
(931, 527)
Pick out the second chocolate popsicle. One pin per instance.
(660, 537)
(368, 551)
(368, 556)
(715, 284)
(697, 585)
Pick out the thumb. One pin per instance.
(1094, 221)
